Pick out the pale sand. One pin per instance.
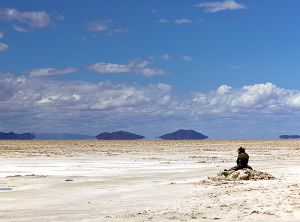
(146, 181)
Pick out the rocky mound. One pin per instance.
(119, 135)
(184, 135)
(245, 174)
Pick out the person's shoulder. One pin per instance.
(243, 155)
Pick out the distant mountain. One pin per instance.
(289, 137)
(16, 136)
(120, 135)
(184, 135)
(61, 136)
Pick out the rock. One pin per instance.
(16, 136)
(244, 174)
(184, 135)
(119, 135)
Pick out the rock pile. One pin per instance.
(245, 174)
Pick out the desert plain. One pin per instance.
(146, 181)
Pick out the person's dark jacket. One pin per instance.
(242, 160)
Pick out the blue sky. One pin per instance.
(226, 68)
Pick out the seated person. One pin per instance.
(242, 160)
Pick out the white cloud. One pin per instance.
(97, 26)
(164, 21)
(163, 86)
(2, 33)
(143, 68)
(137, 66)
(105, 26)
(213, 7)
(235, 67)
(181, 21)
(43, 72)
(33, 19)
(169, 57)
(109, 68)
(223, 89)
(20, 29)
(187, 58)
(178, 21)
(3, 47)
(166, 57)
(257, 98)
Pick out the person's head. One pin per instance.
(241, 150)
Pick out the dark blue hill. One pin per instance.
(119, 135)
(16, 136)
(184, 135)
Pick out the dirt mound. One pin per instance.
(245, 174)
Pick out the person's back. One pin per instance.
(242, 160)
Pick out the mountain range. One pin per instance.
(119, 135)
(16, 136)
(62, 136)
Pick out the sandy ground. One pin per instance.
(146, 181)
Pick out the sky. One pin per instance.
(226, 68)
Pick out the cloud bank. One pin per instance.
(43, 104)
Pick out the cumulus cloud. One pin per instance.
(43, 72)
(257, 98)
(32, 19)
(223, 89)
(3, 47)
(181, 21)
(102, 67)
(178, 21)
(105, 26)
(213, 7)
(138, 67)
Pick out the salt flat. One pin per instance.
(145, 181)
